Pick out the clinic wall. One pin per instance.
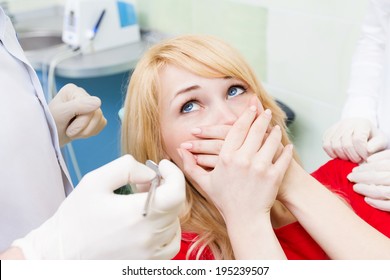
(300, 49)
(18, 6)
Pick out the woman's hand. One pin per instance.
(245, 179)
(244, 183)
(207, 148)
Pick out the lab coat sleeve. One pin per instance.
(368, 63)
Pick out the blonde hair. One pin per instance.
(205, 56)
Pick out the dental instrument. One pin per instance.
(155, 183)
(93, 32)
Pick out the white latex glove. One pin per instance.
(353, 139)
(373, 180)
(76, 114)
(95, 223)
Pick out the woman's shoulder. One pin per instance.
(333, 175)
(334, 167)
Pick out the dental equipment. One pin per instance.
(155, 183)
(92, 35)
(97, 25)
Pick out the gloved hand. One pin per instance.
(373, 180)
(353, 139)
(95, 223)
(76, 114)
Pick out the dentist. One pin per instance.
(41, 216)
(364, 129)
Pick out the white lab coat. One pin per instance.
(369, 88)
(33, 176)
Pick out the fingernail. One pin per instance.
(277, 127)
(290, 146)
(196, 130)
(186, 146)
(253, 108)
(268, 112)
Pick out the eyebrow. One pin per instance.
(194, 87)
(184, 90)
(187, 89)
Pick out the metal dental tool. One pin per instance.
(155, 183)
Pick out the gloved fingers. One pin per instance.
(338, 150)
(170, 244)
(170, 195)
(383, 205)
(142, 187)
(373, 191)
(78, 125)
(361, 135)
(329, 150)
(119, 172)
(384, 155)
(381, 165)
(73, 101)
(349, 148)
(87, 125)
(348, 139)
(71, 91)
(370, 177)
(336, 142)
(377, 144)
(352, 155)
(378, 141)
(359, 142)
(84, 105)
(124, 210)
(327, 142)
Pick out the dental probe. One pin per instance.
(155, 183)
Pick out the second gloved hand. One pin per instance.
(353, 139)
(373, 180)
(76, 114)
(95, 223)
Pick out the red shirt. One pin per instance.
(295, 241)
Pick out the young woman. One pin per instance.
(194, 100)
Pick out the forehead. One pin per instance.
(173, 78)
(170, 71)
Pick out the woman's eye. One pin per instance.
(189, 107)
(235, 90)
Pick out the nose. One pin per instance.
(224, 114)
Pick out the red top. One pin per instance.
(295, 241)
